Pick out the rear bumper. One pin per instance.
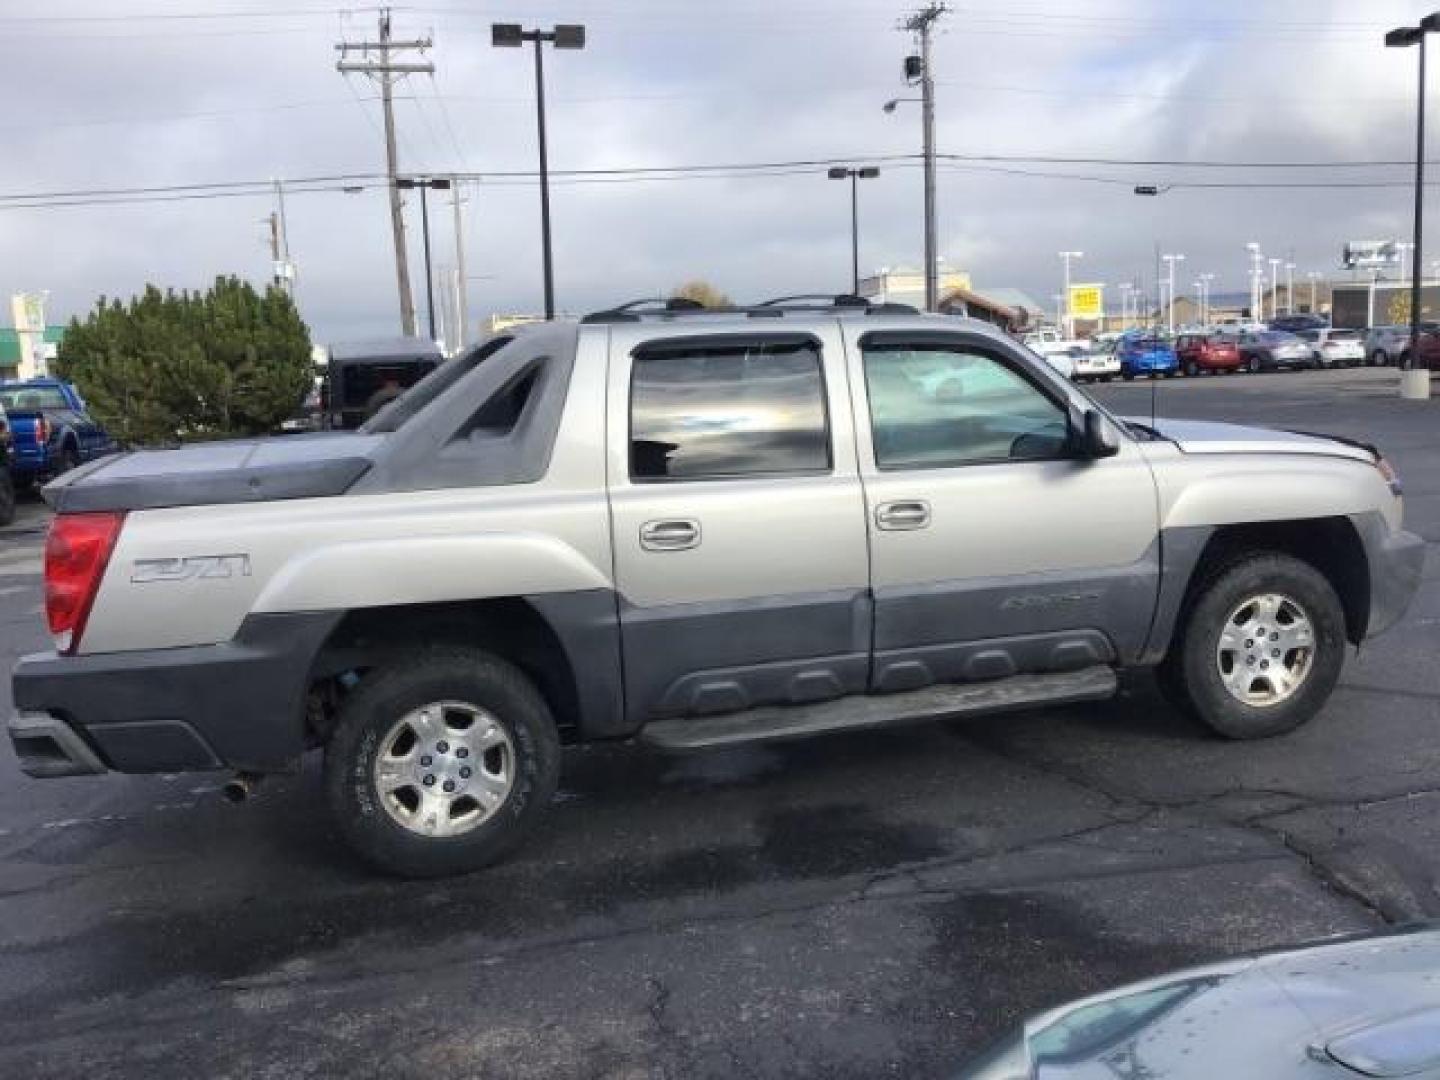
(238, 705)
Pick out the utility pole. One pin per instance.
(1256, 315)
(1274, 288)
(921, 23)
(283, 269)
(386, 72)
(462, 314)
(1290, 288)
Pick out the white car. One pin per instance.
(1336, 348)
(1061, 360)
(1092, 363)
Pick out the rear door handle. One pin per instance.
(675, 534)
(907, 514)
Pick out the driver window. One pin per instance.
(935, 406)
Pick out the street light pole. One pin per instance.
(1274, 288)
(842, 172)
(1255, 260)
(563, 36)
(1068, 321)
(1170, 261)
(425, 183)
(1289, 288)
(1314, 276)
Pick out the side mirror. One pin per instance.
(1098, 437)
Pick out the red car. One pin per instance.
(1427, 350)
(1207, 352)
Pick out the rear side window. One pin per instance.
(728, 410)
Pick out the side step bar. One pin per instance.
(774, 722)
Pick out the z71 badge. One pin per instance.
(204, 567)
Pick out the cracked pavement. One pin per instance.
(877, 904)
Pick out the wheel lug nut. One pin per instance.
(429, 779)
(464, 774)
(441, 747)
(1275, 653)
(462, 752)
(1249, 643)
(1274, 637)
(449, 785)
(425, 760)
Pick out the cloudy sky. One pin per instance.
(134, 94)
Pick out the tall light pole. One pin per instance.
(1060, 306)
(843, 172)
(1205, 281)
(1314, 276)
(564, 36)
(462, 306)
(1289, 288)
(918, 69)
(1415, 382)
(1256, 258)
(1405, 247)
(1065, 257)
(1274, 287)
(1170, 261)
(1125, 290)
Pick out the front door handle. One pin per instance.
(907, 514)
(676, 534)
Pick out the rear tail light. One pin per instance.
(42, 431)
(76, 554)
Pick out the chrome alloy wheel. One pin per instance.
(1266, 650)
(444, 768)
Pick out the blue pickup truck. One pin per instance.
(51, 430)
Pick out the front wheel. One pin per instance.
(1259, 649)
(442, 761)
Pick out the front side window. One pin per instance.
(938, 406)
(728, 410)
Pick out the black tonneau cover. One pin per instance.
(251, 470)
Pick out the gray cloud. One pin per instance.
(682, 83)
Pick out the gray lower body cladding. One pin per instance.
(1396, 562)
(236, 705)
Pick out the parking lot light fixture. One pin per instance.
(1067, 321)
(1314, 276)
(564, 36)
(854, 175)
(1415, 382)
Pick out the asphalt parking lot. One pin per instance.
(860, 906)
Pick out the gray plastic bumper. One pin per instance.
(238, 704)
(1397, 562)
(47, 746)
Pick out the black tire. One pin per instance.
(1376, 359)
(1106, 378)
(67, 460)
(1252, 364)
(407, 681)
(1190, 675)
(7, 497)
(1128, 376)
(1192, 369)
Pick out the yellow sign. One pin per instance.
(1087, 301)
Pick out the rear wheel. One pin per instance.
(1259, 649)
(1377, 359)
(67, 460)
(442, 761)
(7, 497)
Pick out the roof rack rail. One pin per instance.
(627, 312)
(775, 308)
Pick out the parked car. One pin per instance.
(1062, 360)
(1335, 348)
(1047, 340)
(1095, 364)
(7, 482)
(1383, 344)
(361, 378)
(1428, 350)
(1293, 323)
(1342, 1009)
(1206, 353)
(1274, 350)
(1145, 353)
(700, 530)
(51, 430)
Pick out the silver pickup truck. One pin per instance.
(696, 528)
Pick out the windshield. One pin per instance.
(32, 398)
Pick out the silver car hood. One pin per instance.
(1212, 437)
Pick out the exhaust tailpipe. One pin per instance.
(240, 787)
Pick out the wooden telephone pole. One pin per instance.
(377, 60)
